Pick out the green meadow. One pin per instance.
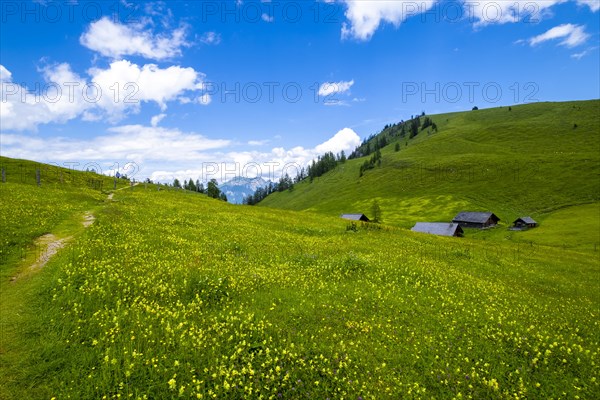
(529, 161)
(170, 294)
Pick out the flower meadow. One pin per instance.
(173, 295)
(27, 212)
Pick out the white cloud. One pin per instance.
(156, 143)
(210, 38)
(594, 5)
(336, 103)
(109, 93)
(5, 75)
(115, 40)
(257, 142)
(265, 17)
(148, 83)
(346, 140)
(164, 154)
(329, 88)
(580, 55)
(135, 143)
(571, 35)
(58, 99)
(155, 120)
(487, 12)
(365, 17)
(204, 100)
(273, 164)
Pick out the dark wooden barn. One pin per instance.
(524, 223)
(469, 219)
(356, 217)
(439, 228)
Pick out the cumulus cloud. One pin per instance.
(346, 140)
(271, 164)
(5, 75)
(110, 93)
(329, 88)
(164, 154)
(365, 17)
(135, 143)
(58, 99)
(570, 35)
(148, 83)
(115, 40)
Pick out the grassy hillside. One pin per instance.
(171, 294)
(27, 211)
(530, 160)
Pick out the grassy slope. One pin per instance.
(528, 161)
(171, 294)
(28, 211)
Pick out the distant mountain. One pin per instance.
(239, 187)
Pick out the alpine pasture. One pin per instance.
(170, 294)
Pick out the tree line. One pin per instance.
(285, 183)
(212, 188)
(315, 169)
(370, 146)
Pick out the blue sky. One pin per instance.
(206, 89)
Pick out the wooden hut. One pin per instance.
(356, 217)
(525, 223)
(469, 219)
(439, 228)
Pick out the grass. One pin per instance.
(527, 161)
(28, 211)
(170, 294)
(197, 298)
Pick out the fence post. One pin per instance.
(38, 177)
(3, 175)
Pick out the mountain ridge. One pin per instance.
(239, 187)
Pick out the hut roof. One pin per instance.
(438, 228)
(475, 217)
(355, 217)
(527, 220)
